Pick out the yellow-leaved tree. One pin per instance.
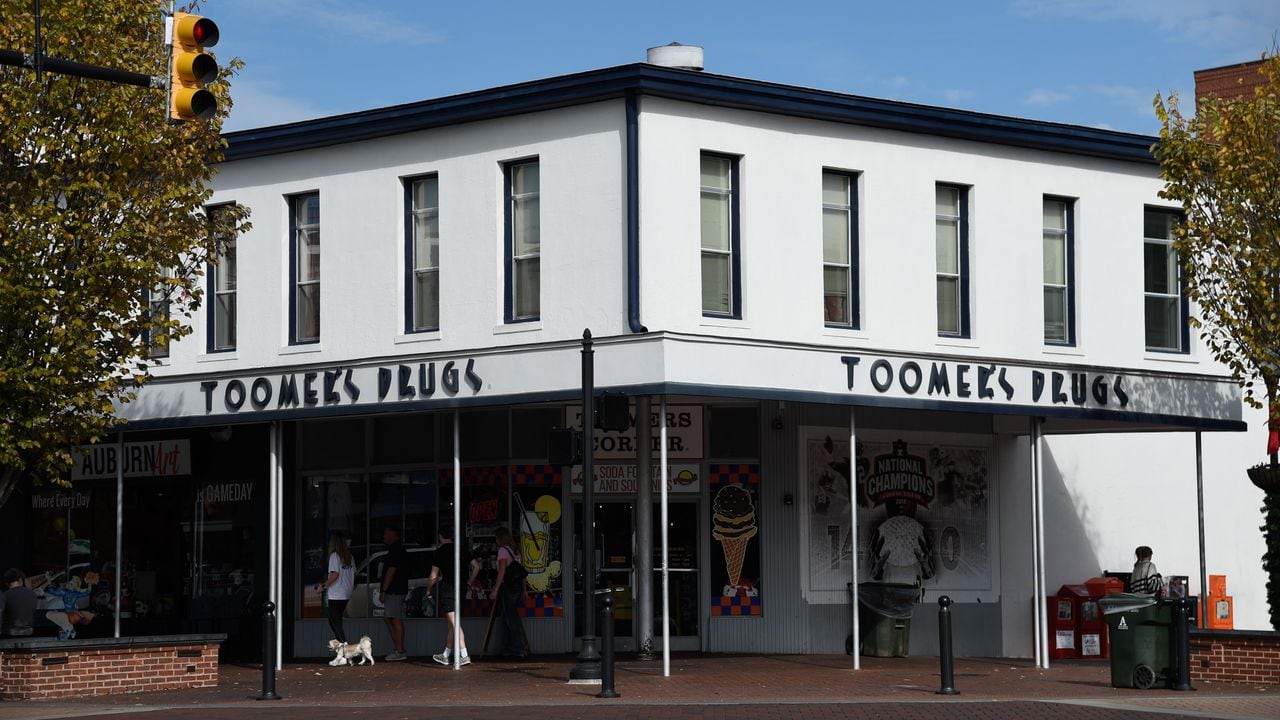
(102, 221)
(1223, 166)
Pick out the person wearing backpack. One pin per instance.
(1144, 578)
(509, 591)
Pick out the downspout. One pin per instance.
(633, 213)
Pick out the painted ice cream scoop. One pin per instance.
(733, 524)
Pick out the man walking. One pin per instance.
(443, 572)
(395, 585)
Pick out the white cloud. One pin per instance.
(956, 96)
(1136, 99)
(1215, 23)
(897, 82)
(259, 105)
(1043, 97)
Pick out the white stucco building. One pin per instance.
(777, 264)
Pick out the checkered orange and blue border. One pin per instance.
(543, 605)
(726, 606)
(535, 475)
(733, 474)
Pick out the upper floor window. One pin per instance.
(222, 288)
(952, 250)
(839, 249)
(1059, 271)
(423, 254)
(158, 308)
(1164, 308)
(304, 227)
(523, 296)
(721, 287)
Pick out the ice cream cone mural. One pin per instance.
(733, 524)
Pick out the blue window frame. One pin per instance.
(304, 268)
(951, 212)
(720, 237)
(522, 241)
(1059, 247)
(422, 253)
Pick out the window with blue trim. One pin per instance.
(304, 227)
(222, 288)
(422, 259)
(721, 284)
(158, 314)
(523, 294)
(839, 249)
(1164, 305)
(951, 212)
(1059, 270)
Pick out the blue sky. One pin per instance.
(1086, 62)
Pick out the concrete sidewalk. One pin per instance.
(701, 686)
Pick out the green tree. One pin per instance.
(1223, 166)
(101, 209)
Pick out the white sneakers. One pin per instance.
(446, 660)
(396, 656)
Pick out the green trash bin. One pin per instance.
(1141, 634)
(884, 616)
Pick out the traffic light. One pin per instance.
(191, 68)
(613, 412)
(564, 446)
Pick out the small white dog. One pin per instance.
(345, 653)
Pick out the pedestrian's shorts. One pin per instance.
(393, 606)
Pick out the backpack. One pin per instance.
(515, 574)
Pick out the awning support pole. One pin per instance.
(1204, 576)
(853, 535)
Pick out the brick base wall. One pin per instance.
(71, 669)
(1236, 656)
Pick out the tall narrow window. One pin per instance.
(1059, 271)
(839, 250)
(720, 259)
(524, 243)
(222, 283)
(305, 225)
(158, 311)
(952, 250)
(1165, 310)
(423, 260)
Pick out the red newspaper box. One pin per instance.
(1091, 629)
(1062, 627)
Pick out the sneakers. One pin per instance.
(466, 660)
(446, 660)
(395, 656)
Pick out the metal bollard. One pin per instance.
(268, 652)
(1182, 645)
(606, 659)
(944, 647)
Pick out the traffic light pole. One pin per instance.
(587, 669)
(39, 62)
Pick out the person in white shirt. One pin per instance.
(1144, 578)
(340, 582)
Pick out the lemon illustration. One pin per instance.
(547, 509)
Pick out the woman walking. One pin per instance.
(339, 583)
(509, 586)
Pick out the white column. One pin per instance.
(1042, 592)
(276, 544)
(120, 525)
(1037, 607)
(666, 574)
(853, 529)
(458, 570)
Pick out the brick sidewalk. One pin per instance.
(703, 686)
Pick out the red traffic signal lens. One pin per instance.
(205, 32)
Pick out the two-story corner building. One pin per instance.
(976, 319)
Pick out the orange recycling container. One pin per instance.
(1104, 586)
(1217, 585)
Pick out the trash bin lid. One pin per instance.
(895, 600)
(1125, 602)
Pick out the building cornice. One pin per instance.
(693, 87)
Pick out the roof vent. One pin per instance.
(675, 55)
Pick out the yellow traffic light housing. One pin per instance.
(191, 68)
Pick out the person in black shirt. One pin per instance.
(443, 574)
(395, 585)
(17, 604)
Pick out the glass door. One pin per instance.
(615, 543)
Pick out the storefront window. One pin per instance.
(332, 503)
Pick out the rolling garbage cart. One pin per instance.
(1141, 630)
(884, 618)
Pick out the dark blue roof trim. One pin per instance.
(1175, 422)
(694, 87)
